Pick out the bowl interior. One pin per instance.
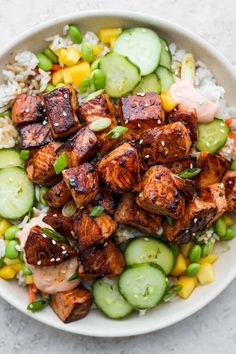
(165, 314)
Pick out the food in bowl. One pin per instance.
(117, 173)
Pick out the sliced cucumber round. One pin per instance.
(149, 249)
(121, 75)
(166, 77)
(10, 158)
(16, 193)
(149, 83)
(143, 285)
(109, 300)
(166, 58)
(142, 46)
(212, 136)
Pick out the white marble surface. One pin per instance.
(213, 329)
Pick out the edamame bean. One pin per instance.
(220, 227)
(233, 165)
(21, 256)
(95, 64)
(10, 233)
(44, 63)
(230, 234)
(11, 251)
(51, 55)
(98, 79)
(192, 269)
(50, 88)
(195, 253)
(26, 270)
(75, 34)
(84, 85)
(205, 250)
(87, 51)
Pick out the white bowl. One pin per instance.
(164, 315)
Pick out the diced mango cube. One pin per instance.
(180, 265)
(58, 51)
(188, 285)
(168, 102)
(7, 272)
(57, 76)
(206, 274)
(195, 281)
(17, 267)
(209, 259)
(75, 74)
(29, 279)
(97, 49)
(9, 261)
(69, 56)
(4, 225)
(184, 249)
(106, 35)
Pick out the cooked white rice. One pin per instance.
(8, 134)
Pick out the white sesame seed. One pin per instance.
(146, 105)
(54, 215)
(65, 95)
(163, 143)
(195, 220)
(44, 110)
(58, 259)
(142, 94)
(44, 236)
(27, 110)
(126, 121)
(191, 165)
(141, 141)
(72, 180)
(140, 195)
(89, 112)
(222, 185)
(139, 125)
(147, 156)
(193, 234)
(54, 242)
(45, 122)
(64, 252)
(105, 244)
(39, 262)
(52, 260)
(159, 121)
(56, 124)
(42, 103)
(64, 114)
(63, 247)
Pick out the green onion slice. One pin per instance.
(60, 163)
(74, 276)
(38, 305)
(97, 211)
(172, 291)
(54, 235)
(190, 172)
(24, 154)
(116, 132)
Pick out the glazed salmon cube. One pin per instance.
(35, 135)
(215, 193)
(57, 195)
(182, 164)
(107, 200)
(188, 117)
(229, 181)
(59, 222)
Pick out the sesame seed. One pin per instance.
(163, 143)
(140, 195)
(193, 234)
(64, 252)
(56, 124)
(126, 121)
(191, 165)
(44, 236)
(52, 260)
(142, 94)
(44, 110)
(27, 110)
(147, 156)
(45, 122)
(65, 95)
(195, 220)
(63, 247)
(64, 114)
(105, 244)
(39, 262)
(58, 259)
(146, 105)
(222, 185)
(72, 180)
(159, 121)
(89, 112)
(141, 141)
(54, 215)
(42, 103)
(54, 242)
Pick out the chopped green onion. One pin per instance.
(6, 113)
(172, 291)
(97, 211)
(50, 88)
(190, 172)
(69, 209)
(42, 191)
(61, 163)
(74, 276)
(54, 235)
(116, 132)
(38, 305)
(93, 95)
(24, 154)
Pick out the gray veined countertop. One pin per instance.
(213, 329)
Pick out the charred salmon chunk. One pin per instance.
(83, 183)
(35, 135)
(59, 222)
(107, 200)
(159, 193)
(182, 164)
(140, 112)
(105, 260)
(40, 168)
(100, 107)
(120, 169)
(28, 109)
(215, 193)
(213, 168)
(129, 213)
(198, 215)
(81, 147)
(61, 107)
(44, 251)
(72, 305)
(229, 181)
(57, 195)
(164, 144)
(188, 117)
(89, 231)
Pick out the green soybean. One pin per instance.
(205, 250)
(84, 85)
(195, 253)
(233, 165)
(220, 227)
(192, 269)
(75, 34)
(98, 79)
(26, 270)
(11, 251)
(44, 62)
(51, 55)
(21, 256)
(87, 51)
(10, 233)
(230, 234)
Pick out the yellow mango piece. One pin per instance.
(228, 219)
(195, 281)
(7, 272)
(4, 225)
(29, 279)
(184, 249)
(97, 49)
(75, 74)
(9, 261)
(58, 51)
(206, 274)
(180, 265)
(17, 267)
(57, 77)
(188, 285)
(69, 56)
(209, 259)
(168, 102)
(106, 35)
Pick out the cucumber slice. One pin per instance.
(149, 249)
(212, 136)
(16, 193)
(166, 58)
(121, 75)
(166, 77)
(143, 285)
(10, 158)
(149, 83)
(109, 300)
(142, 46)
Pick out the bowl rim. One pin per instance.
(166, 24)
